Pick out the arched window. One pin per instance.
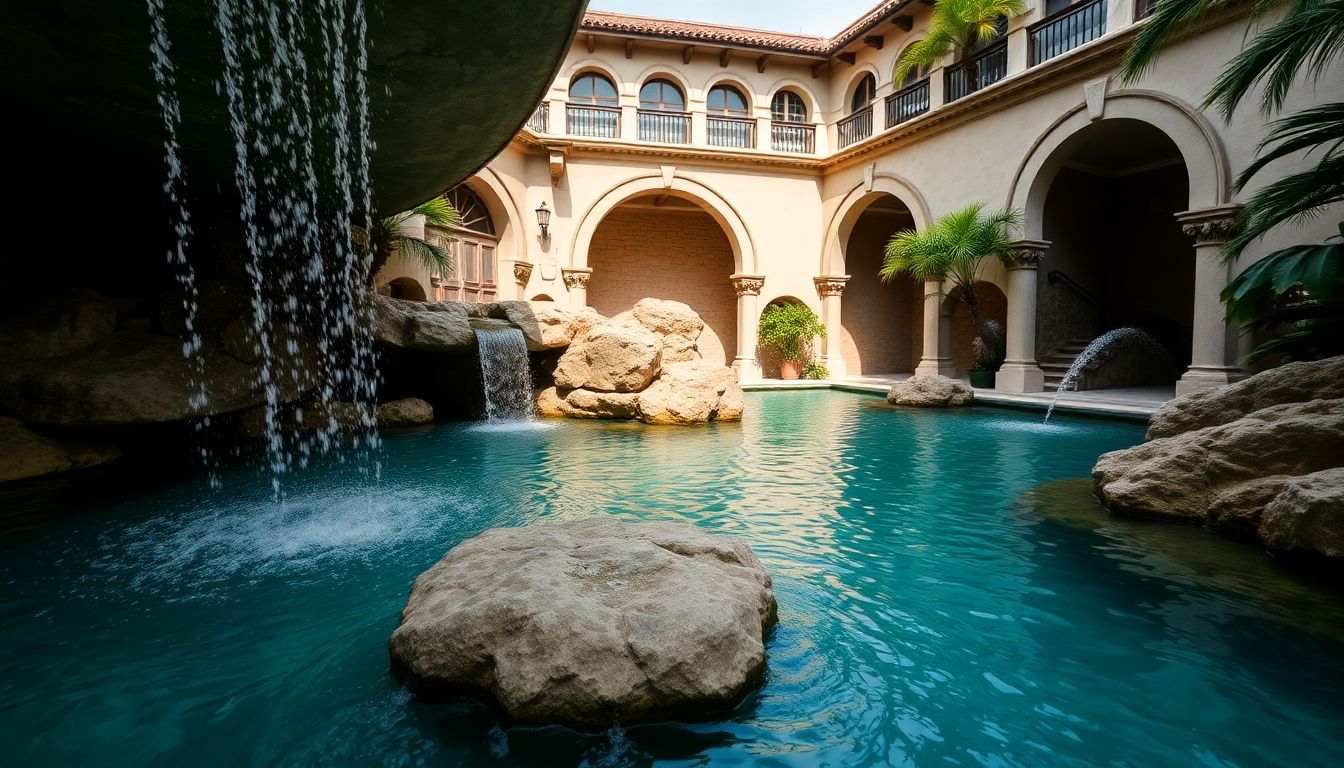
(915, 75)
(592, 89)
(472, 246)
(661, 96)
(788, 107)
(864, 93)
(726, 100)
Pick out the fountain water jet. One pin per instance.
(1128, 334)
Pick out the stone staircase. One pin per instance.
(1057, 363)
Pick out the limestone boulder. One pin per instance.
(56, 324)
(590, 623)
(675, 324)
(1232, 474)
(1307, 514)
(548, 402)
(25, 454)
(925, 391)
(587, 404)
(610, 357)
(692, 392)
(406, 412)
(440, 327)
(1290, 383)
(137, 376)
(548, 325)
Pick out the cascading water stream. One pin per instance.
(505, 374)
(293, 76)
(1125, 335)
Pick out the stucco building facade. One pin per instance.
(731, 168)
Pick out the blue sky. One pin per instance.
(809, 17)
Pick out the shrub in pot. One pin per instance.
(788, 330)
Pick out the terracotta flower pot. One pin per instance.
(790, 370)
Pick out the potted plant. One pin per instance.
(951, 250)
(788, 329)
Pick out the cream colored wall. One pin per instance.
(790, 222)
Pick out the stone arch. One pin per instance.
(664, 72)
(766, 357)
(733, 79)
(541, 297)
(852, 206)
(959, 327)
(860, 71)
(1198, 142)
(739, 238)
(800, 88)
(490, 188)
(408, 288)
(583, 66)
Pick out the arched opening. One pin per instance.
(594, 107)
(767, 357)
(473, 246)
(665, 247)
(992, 302)
(541, 297)
(881, 320)
(1117, 255)
(406, 288)
(662, 112)
(865, 90)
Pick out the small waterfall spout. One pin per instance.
(505, 373)
(1104, 346)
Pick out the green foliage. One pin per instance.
(787, 328)
(1302, 44)
(958, 25)
(1299, 288)
(952, 249)
(816, 371)
(388, 237)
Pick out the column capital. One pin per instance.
(747, 285)
(576, 277)
(522, 272)
(830, 285)
(1210, 226)
(1025, 254)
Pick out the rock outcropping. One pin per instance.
(1262, 457)
(589, 623)
(926, 391)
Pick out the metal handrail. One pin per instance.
(1055, 276)
(908, 103)
(1065, 30)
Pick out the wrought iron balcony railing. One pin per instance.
(735, 132)
(1065, 30)
(908, 103)
(855, 128)
(975, 72)
(602, 122)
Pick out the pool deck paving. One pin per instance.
(1136, 403)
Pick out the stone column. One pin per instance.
(1020, 372)
(1213, 345)
(830, 288)
(747, 288)
(576, 280)
(935, 360)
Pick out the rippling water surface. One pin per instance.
(947, 597)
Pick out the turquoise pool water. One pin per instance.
(931, 614)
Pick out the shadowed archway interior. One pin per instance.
(881, 320)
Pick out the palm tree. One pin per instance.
(952, 249)
(388, 237)
(958, 25)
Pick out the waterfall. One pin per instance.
(505, 374)
(293, 76)
(1103, 344)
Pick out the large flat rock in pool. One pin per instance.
(590, 623)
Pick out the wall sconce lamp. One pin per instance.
(544, 221)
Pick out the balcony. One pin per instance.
(664, 127)
(855, 128)
(1065, 30)
(908, 103)
(978, 71)
(734, 132)
(601, 122)
(541, 118)
(800, 138)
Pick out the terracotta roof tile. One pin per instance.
(694, 31)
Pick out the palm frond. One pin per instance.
(434, 258)
(1309, 37)
(438, 212)
(956, 25)
(1294, 198)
